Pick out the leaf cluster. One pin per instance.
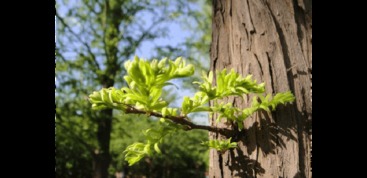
(154, 136)
(220, 145)
(146, 80)
(145, 84)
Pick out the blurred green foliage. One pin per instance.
(180, 156)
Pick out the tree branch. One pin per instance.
(93, 57)
(92, 9)
(182, 120)
(132, 47)
(61, 56)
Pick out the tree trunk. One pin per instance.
(272, 40)
(102, 157)
(102, 160)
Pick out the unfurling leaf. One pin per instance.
(220, 145)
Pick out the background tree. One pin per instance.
(94, 38)
(273, 41)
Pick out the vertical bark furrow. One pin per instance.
(272, 79)
(230, 8)
(298, 14)
(249, 18)
(301, 152)
(220, 160)
(284, 46)
(258, 62)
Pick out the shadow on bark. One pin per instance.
(266, 135)
(299, 175)
(244, 166)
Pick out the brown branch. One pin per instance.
(182, 120)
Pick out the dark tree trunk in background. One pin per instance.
(272, 40)
(102, 158)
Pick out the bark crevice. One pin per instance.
(272, 79)
(251, 24)
(220, 160)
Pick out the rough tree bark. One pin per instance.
(273, 41)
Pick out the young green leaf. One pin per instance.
(156, 148)
(220, 145)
